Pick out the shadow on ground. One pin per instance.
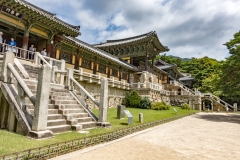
(231, 118)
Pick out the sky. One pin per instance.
(190, 28)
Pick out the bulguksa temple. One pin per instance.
(70, 77)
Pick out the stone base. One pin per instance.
(77, 127)
(40, 134)
(104, 124)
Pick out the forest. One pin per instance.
(222, 78)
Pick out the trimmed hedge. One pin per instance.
(160, 106)
(145, 103)
(185, 106)
(132, 99)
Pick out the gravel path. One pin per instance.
(202, 136)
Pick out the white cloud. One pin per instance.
(190, 28)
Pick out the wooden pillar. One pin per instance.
(128, 77)
(146, 62)
(120, 73)
(131, 60)
(95, 66)
(76, 65)
(108, 73)
(25, 38)
(49, 49)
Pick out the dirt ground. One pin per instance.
(204, 136)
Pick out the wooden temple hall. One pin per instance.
(31, 25)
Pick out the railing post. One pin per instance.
(103, 105)
(81, 74)
(36, 57)
(6, 73)
(53, 75)
(39, 125)
(112, 81)
(68, 78)
(62, 68)
(90, 78)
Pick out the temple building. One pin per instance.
(77, 71)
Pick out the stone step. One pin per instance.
(85, 125)
(60, 94)
(55, 116)
(53, 89)
(50, 106)
(27, 101)
(79, 115)
(59, 129)
(74, 111)
(56, 122)
(84, 119)
(69, 106)
(34, 83)
(62, 98)
(50, 111)
(58, 102)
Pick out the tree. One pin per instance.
(229, 78)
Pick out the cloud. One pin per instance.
(190, 28)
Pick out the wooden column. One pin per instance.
(146, 62)
(95, 66)
(108, 73)
(76, 65)
(120, 73)
(131, 60)
(25, 38)
(128, 77)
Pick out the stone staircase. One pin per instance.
(62, 105)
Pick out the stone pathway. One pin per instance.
(204, 136)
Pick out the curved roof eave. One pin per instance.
(100, 53)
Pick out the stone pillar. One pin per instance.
(68, 79)
(103, 105)
(6, 73)
(41, 106)
(120, 111)
(63, 63)
(141, 117)
(146, 62)
(235, 107)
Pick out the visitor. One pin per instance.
(218, 109)
(43, 53)
(227, 109)
(12, 46)
(1, 41)
(31, 53)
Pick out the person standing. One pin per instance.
(43, 53)
(227, 109)
(31, 53)
(1, 41)
(12, 46)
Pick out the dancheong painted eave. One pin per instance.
(24, 6)
(135, 39)
(100, 52)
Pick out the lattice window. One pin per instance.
(114, 73)
(124, 76)
(102, 69)
(66, 57)
(86, 64)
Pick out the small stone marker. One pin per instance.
(120, 111)
(175, 110)
(129, 115)
(141, 117)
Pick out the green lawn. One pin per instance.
(11, 142)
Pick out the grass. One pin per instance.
(11, 142)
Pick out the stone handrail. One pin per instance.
(174, 82)
(84, 93)
(22, 83)
(38, 58)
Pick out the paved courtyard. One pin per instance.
(202, 136)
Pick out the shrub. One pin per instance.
(145, 103)
(185, 106)
(132, 99)
(160, 106)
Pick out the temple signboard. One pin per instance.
(12, 12)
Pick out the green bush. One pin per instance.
(132, 99)
(185, 106)
(145, 103)
(160, 106)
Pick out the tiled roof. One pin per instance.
(129, 40)
(186, 78)
(47, 14)
(125, 40)
(100, 52)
